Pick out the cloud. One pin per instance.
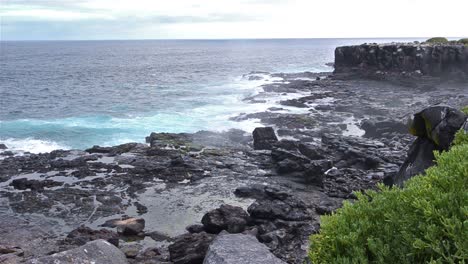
(90, 19)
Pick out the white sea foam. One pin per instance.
(19, 146)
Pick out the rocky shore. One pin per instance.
(207, 197)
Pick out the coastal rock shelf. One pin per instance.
(436, 60)
(168, 200)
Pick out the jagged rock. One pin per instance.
(98, 251)
(438, 123)
(233, 219)
(435, 127)
(264, 137)
(34, 185)
(239, 249)
(279, 205)
(190, 248)
(315, 171)
(83, 235)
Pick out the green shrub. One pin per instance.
(437, 40)
(465, 109)
(426, 221)
(463, 41)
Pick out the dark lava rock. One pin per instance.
(378, 129)
(435, 127)
(315, 171)
(98, 149)
(195, 228)
(34, 185)
(83, 235)
(264, 137)
(3, 147)
(438, 123)
(233, 219)
(190, 248)
(239, 249)
(278, 204)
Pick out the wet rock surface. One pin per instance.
(332, 137)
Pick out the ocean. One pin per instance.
(76, 94)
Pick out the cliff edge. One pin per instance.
(410, 59)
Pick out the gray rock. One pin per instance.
(264, 137)
(239, 249)
(233, 219)
(190, 248)
(3, 146)
(98, 252)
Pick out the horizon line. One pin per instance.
(209, 39)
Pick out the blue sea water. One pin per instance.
(75, 94)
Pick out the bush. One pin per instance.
(437, 40)
(463, 41)
(465, 109)
(426, 221)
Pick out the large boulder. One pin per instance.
(264, 138)
(98, 251)
(438, 123)
(239, 249)
(233, 219)
(190, 248)
(435, 128)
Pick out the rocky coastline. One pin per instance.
(229, 197)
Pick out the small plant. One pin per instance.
(424, 222)
(437, 40)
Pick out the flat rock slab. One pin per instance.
(97, 252)
(239, 249)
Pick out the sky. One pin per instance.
(226, 19)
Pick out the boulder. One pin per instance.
(190, 248)
(98, 251)
(264, 138)
(239, 249)
(233, 219)
(435, 128)
(3, 147)
(83, 235)
(438, 123)
(420, 157)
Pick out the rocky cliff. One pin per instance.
(435, 60)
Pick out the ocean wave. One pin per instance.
(36, 146)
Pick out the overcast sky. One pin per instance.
(207, 19)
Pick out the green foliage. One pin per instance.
(463, 41)
(465, 109)
(461, 138)
(437, 40)
(426, 221)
